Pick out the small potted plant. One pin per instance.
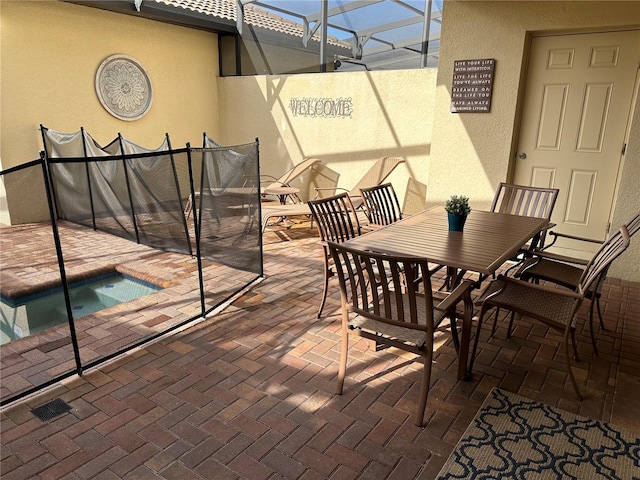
(457, 208)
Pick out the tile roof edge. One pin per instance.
(254, 16)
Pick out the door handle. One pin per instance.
(522, 156)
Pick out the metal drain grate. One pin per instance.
(51, 410)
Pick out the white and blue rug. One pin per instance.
(512, 437)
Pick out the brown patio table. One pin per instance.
(489, 239)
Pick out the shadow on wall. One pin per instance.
(415, 197)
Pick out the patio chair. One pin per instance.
(381, 204)
(269, 182)
(377, 174)
(566, 271)
(555, 307)
(528, 202)
(337, 222)
(387, 312)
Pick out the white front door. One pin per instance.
(577, 104)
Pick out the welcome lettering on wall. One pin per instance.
(321, 107)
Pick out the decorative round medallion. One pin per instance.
(123, 87)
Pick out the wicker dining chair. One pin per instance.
(381, 204)
(566, 271)
(377, 305)
(337, 221)
(555, 307)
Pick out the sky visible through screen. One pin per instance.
(405, 16)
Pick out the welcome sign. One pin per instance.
(321, 107)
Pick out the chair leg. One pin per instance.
(327, 274)
(599, 312)
(483, 310)
(509, 329)
(593, 338)
(495, 321)
(573, 343)
(454, 331)
(426, 381)
(568, 362)
(342, 369)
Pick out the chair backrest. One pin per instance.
(381, 204)
(373, 285)
(336, 217)
(296, 171)
(525, 201)
(634, 225)
(598, 266)
(378, 173)
(632, 228)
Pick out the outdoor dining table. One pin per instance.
(489, 239)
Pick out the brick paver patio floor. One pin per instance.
(249, 393)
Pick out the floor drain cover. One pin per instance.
(51, 410)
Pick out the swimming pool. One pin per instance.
(34, 313)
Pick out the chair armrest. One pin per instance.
(461, 292)
(328, 189)
(557, 235)
(264, 176)
(561, 258)
(544, 288)
(573, 237)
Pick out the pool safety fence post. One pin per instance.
(63, 274)
(126, 178)
(175, 178)
(260, 241)
(196, 228)
(86, 167)
(53, 191)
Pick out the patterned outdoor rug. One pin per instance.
(513, 437)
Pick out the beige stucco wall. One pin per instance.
(50, 52)
(628, 201)
(392, 115)
(480, 145)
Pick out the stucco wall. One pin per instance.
(628, 202)
(392, 116)
(480, 145)
(50, 53)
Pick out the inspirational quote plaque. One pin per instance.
(472, 85)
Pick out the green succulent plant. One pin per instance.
(458, 205)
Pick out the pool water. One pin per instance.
(35, 313)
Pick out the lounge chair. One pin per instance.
(377, 174)
(269, 182)
(283, 211)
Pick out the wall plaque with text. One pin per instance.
(472, 85)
